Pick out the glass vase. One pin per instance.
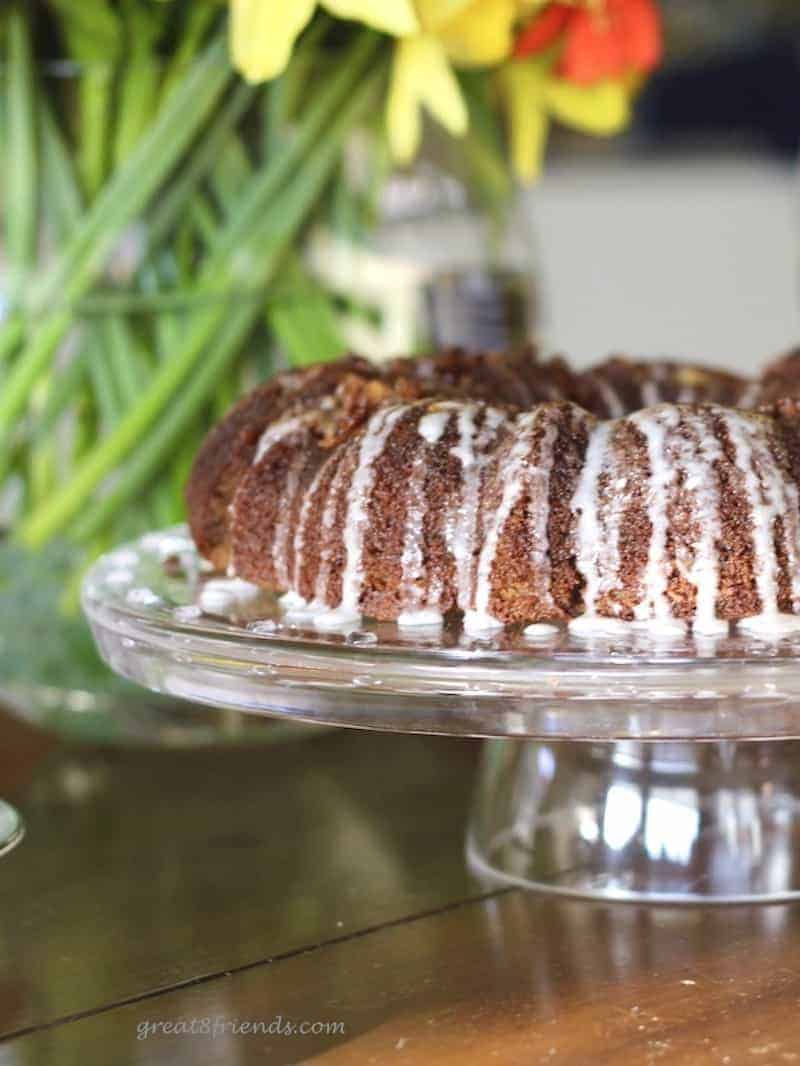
(148, 278)
(427, 256)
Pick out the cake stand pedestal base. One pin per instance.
(656, 821)
(12, 828)
(619, 766)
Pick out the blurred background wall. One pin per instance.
(692, 256)
(684, 237)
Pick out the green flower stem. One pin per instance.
(126, 362)
(482, 147)
(60, 189)
(134, 434)
(103, 384)
(138, 92)
(184, 458)
(93, 33)
(282, 93)
(304, 321)
(231, 172)
(66, 389)
(201, 215)
(152, 448)
(130, 188)
(20, 155)
(246, 215)
(126, 193)
(206, 155)
(85, 429)
(121, 200)
(11, 335)
(94, 96)
(41, 459)
(198, 21)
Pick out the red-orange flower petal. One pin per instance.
(621, 38)
(643, 40)
(543, 30)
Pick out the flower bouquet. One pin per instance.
(161, 163)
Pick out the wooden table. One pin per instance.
(320, 884)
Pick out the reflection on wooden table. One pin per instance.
(323, 882)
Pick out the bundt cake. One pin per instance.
(779, 379)
(500, 487)
(620, 386)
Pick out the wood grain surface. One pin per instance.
(322, 882)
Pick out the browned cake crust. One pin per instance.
(228, 450)
(781, 378)
(621, 385)
(476, 483)
(519, 378)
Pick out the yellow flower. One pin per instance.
(421, 76)
(434, 37)
(472, 32)
(534, 94)
(263, 32)
(464, 33)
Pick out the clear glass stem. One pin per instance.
(660, 821)
(12, 828)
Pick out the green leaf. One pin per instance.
(129, 190)
(135, 434)
(305, 322)
(92, 29)
(21, 224)
(141, 75)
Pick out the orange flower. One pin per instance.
(611, 39)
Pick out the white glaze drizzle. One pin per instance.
(763, 510)
(540, 631)
(651, 393)
(697, 457)
(597, 625)
(222, 595)
(539, 512)
(302, 521)
(750, 395)
(586, 506)
(771, 496)
(373, 443)
(462, 519)
(426, 616)
(611, 398)
(692, 452)
(598, 527)
(431, 427)
(654, 425)
(773, 625)
(783, 494)
(519, 473)
(275, 433)
(281, 536)
(433, 424)
(327, 533)
(792, 541)
(412, 568)
(271, 436)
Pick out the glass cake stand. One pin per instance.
(12, 828)
(620, 767)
